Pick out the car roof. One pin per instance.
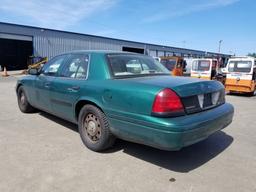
(100, 52)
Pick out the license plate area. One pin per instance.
(197, 103)
(205, 100)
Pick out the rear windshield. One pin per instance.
(240, 66)
(124, 65)
(201, 65)
(169, 63)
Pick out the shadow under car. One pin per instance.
(185, 160)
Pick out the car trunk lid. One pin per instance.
(196, 94)
(183, 86)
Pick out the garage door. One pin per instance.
(15, 51)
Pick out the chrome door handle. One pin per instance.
(74, 88)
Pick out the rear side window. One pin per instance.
(76, 67)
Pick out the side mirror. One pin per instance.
(33, 71)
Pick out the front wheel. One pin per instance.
(94, 128)
(23, 103)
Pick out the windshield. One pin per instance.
(201, 65)
(240, 66)
(134, 65)
(169, 63)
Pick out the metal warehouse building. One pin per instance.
(18, 43)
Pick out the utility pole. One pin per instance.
(220, 41)
(184, 43)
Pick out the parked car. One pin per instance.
(125, 95)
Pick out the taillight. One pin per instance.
(167, 103)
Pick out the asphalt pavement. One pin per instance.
(39, 152)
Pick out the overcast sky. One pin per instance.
(195, 24)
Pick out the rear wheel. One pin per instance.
(94, 128)
(23, 103)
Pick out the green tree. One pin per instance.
(252, 54)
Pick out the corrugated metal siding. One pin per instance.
(51, 46)
(51, 42)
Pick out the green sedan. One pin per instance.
(128, 96)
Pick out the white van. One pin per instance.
(241, 75)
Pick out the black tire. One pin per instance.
(23, 103)
(251, 94)
(94, 129)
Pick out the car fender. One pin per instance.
(90, 100)
(18, 85)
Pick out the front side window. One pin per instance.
(201, 65)
(76, 67)
(240, 66)
(51, 68)
(134, 65)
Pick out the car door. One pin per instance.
(66, 88)
(43, 82)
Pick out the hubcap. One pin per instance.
(92, 127)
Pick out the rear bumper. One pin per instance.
(238, 88)
(200, 77)
(174, 133)
(246, 86)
